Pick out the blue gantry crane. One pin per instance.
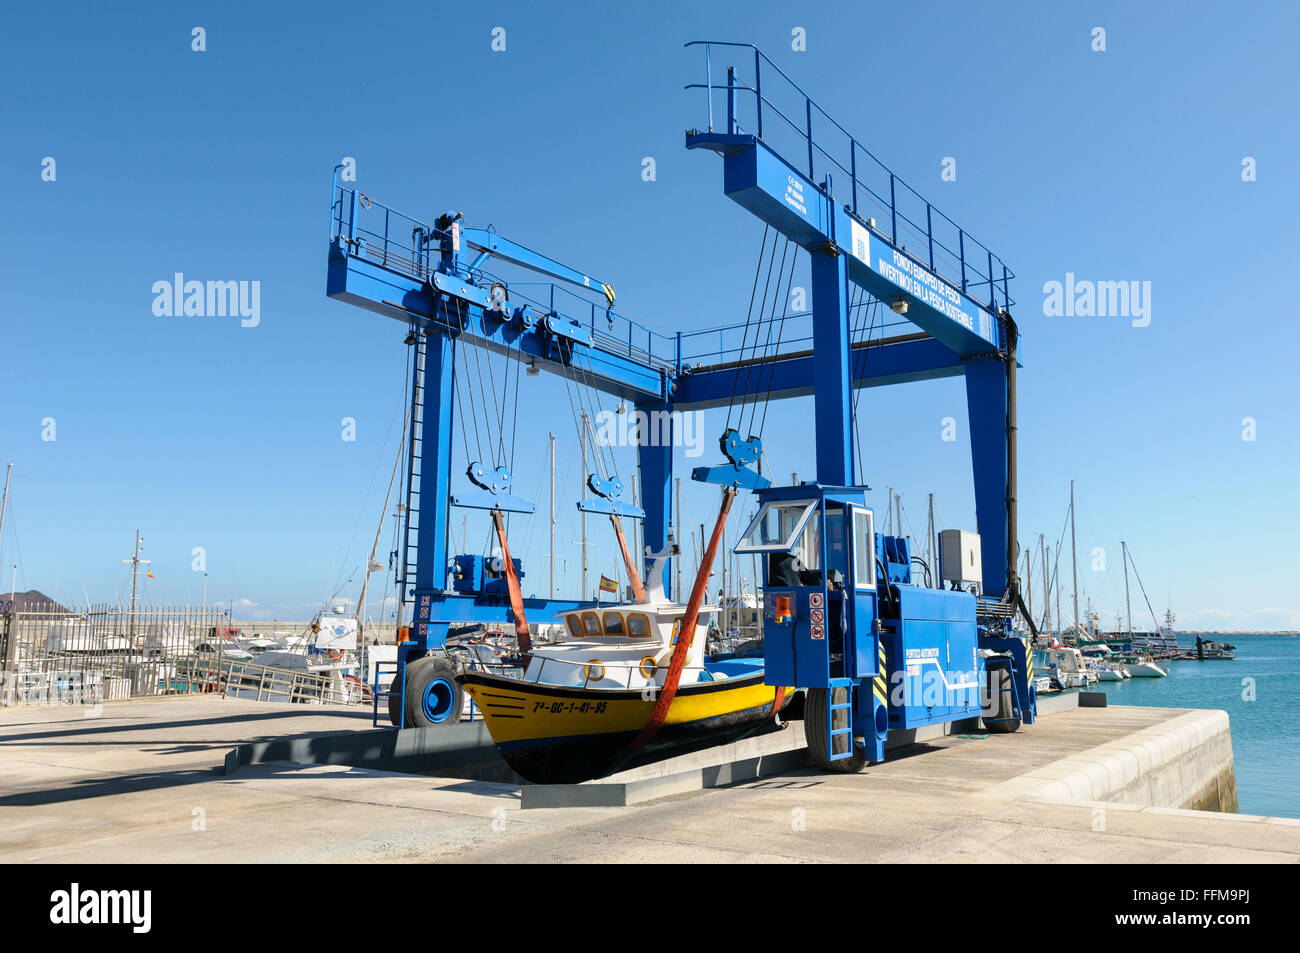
(844, 618)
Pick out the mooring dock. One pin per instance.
(147, 781)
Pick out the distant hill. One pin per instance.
(33, 600)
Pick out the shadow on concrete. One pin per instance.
(107, 787)
(362, 717)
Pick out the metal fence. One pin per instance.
(109, 653)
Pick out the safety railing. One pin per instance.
(403, 244)
(774, 109)
(869, 320)
(589, 665)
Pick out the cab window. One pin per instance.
(638, 626)
(575, 625)
(613, 623)
(590, 624)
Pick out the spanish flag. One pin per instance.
(608, 585)
(150, 574)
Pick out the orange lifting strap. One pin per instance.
(512, 583)
(634, 577)
(686, 632)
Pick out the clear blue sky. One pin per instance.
(1115, 165)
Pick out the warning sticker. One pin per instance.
(816, 600)
(819, 631)
(817, 615)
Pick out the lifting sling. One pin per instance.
(686, 631)
(512, 584)
(634, 577)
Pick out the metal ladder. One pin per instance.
(831, 731)
(411, 536)
(376, 694)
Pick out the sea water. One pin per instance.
(1260, 691)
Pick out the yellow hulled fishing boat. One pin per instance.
(581, 708)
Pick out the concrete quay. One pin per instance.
(148, 781)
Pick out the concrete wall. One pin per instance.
(1184, 762)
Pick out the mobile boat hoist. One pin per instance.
(874, 648)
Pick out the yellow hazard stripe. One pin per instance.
(879, 685)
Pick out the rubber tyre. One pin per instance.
(434, 694)
(999, 680)
(816, 704)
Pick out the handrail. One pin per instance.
(387, 237)
(630, 667)
(958, 267)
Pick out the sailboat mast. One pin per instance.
(1074, 558)
(552, 552)
(1127, 606)
(4, 500)
(1057, 573)
(1047, 595)
(677, 522)
(929, 542)
(1029, 581)
(582, 442)
(383, 514)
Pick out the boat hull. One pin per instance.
(551, 734)
(1146, 670)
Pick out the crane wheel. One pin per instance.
(434, 694)
(1000, 718)
(817, 702)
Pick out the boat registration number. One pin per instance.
(571, 708)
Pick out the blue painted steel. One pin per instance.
(436, 279)
(986, 398)
(833, 404)
(831, 731)
(446, 607)
(958, 305)
(437, 700)
(611, 507)
(434, 425)
(495, 481)
(470, 574)
(396, 687)
(895, 554)
(504, 502)
(376, 263)
(655, 461)
(606, 501)
(1026, 696)
(839, 153)
(608, 488)
(727, 474)
(937, 674)
(796, 375)
(765, 184)
(493, 244)
(740, 453)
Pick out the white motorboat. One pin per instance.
(1145, 668)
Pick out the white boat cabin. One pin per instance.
(623, 646)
